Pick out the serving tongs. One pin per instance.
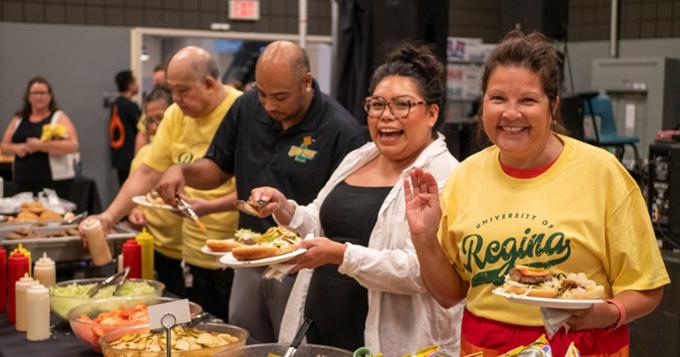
(186, 210)
(75, 219)
(113, 279)
(299, 336)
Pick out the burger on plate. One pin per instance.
(537, 282)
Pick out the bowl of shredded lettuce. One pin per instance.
(67, 295)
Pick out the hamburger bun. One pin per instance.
(33, 207)
(49, 215)
(222, 245)
(27, 216)
(535, 291)
(253, 252)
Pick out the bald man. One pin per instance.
(259, 143)
(183, 136)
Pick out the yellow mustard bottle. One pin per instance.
(145, 240)
(27, 253)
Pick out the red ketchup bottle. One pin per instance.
(3, 280)
(17, 266)
(132, 257)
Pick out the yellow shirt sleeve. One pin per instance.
(635, 262)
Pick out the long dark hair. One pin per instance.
(416, 61)
(535, 53)
(26, 108)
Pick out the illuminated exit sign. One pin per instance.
(244, 9)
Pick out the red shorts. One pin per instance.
(494, 338)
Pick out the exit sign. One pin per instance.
(244, 9)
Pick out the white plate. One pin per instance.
(205, 249)
(231, 262)
(141, 200)
(546, 302)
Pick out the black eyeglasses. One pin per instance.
(400, 107)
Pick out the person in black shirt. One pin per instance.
(41, 160)
(287, 135)
(123, 125)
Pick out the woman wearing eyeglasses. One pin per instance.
(164, 226)
(365, 288)
(41, 137)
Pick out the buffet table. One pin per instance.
(62, 343)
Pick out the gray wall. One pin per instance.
(582, 53)
(80, 62)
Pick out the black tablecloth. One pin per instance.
(62, 343)
(83, 193)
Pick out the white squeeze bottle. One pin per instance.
(44, 271)
(38, 321)
(22, 286)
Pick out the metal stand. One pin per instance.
(168, 322)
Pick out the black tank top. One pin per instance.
(338, 304)
(36, 166)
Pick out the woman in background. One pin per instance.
(41, 137)
(164, 226)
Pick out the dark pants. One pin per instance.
(169, 272)
(122, 175)
(211, 290)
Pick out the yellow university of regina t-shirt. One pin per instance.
(183, 139)
(584, 214)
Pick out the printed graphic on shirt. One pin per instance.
(540, 240)
(302, 153)
(116, 130)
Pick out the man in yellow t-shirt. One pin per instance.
(184, 135)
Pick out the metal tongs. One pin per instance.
(302, 331)
(75, 219)
(186, 210)
(109, 281)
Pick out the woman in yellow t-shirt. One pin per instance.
(165, 226)
(539, 198)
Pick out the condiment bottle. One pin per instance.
(132, 257)
(44, 271)
(27, 253)
(96, 242)
(17, 266)
(3, 279)
(21, 305)
(38, 317)
(145, 240)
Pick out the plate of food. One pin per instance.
(153, 200)
(540, 287)
(251, 249)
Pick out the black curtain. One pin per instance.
(354, 62)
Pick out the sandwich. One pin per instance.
(531, 281)
(275, 241)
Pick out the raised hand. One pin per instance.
(422, 203)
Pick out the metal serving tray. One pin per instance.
(63, 249)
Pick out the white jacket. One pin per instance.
(402, 316)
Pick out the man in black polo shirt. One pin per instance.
(286, 135)
(123, 124)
